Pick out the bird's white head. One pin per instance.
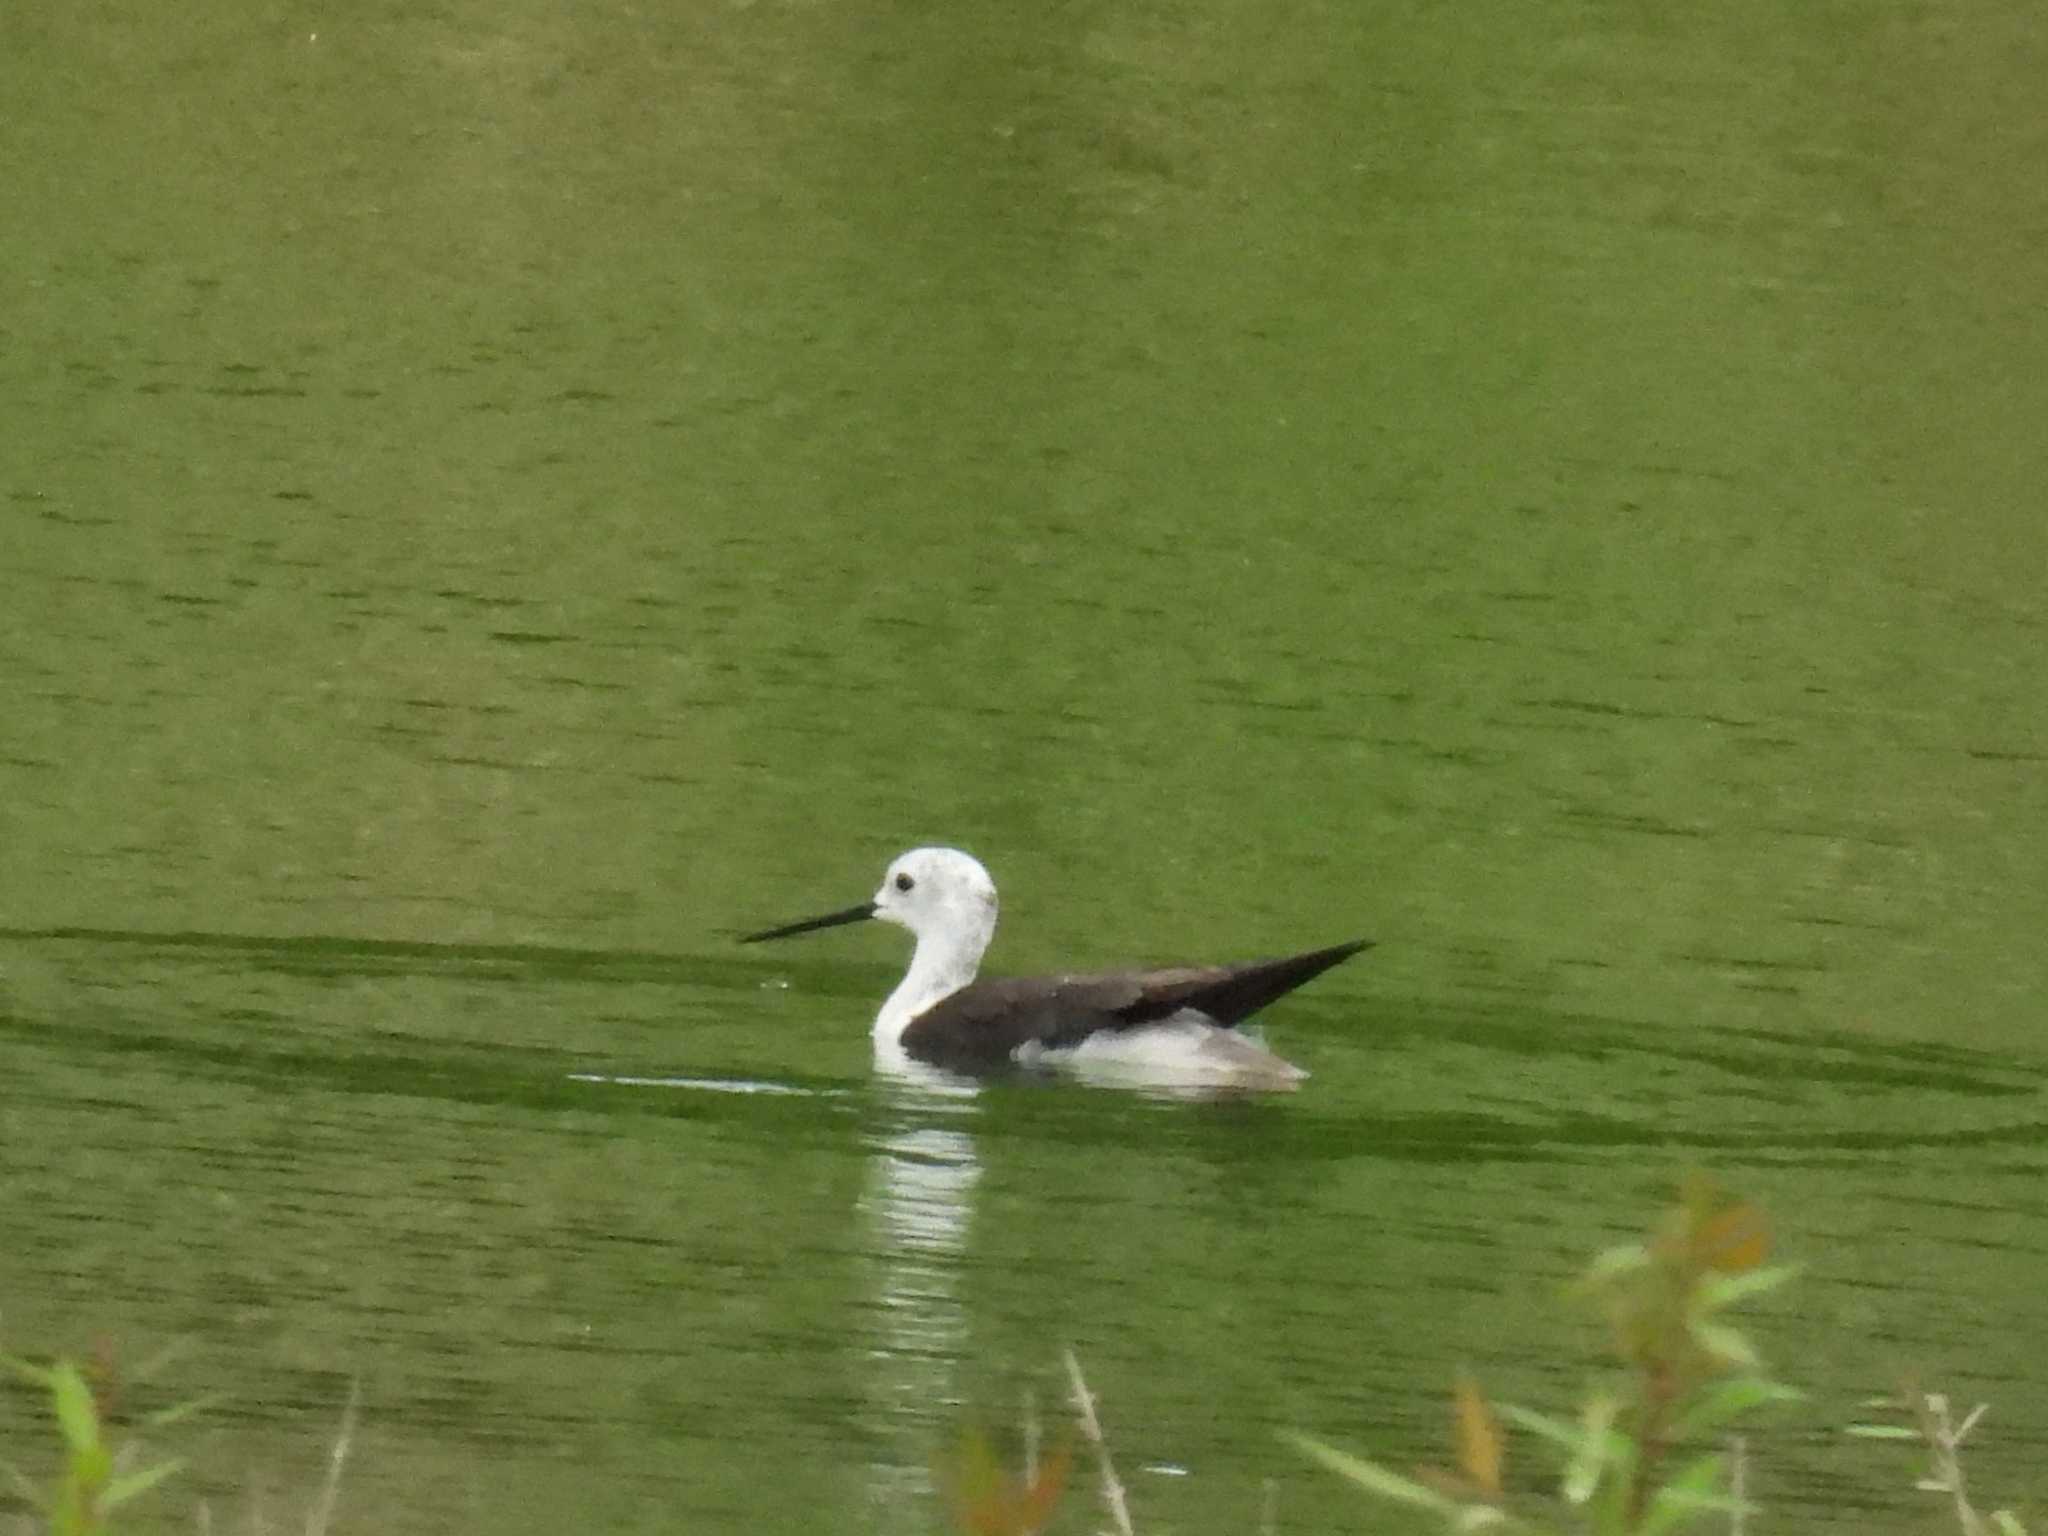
(947, 900)
(943, 896)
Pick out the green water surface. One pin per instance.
(497, 500)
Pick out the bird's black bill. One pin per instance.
(829, 920)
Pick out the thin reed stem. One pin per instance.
(330, 1490)
(1112, 1488)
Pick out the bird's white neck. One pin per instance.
(942, 965)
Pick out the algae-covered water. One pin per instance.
(495, 503)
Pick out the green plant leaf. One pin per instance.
(122, 1489)
(1593, 1444)
(71, 1512)
(1694, 1490)
(1556, 1431)
(1724, 1290)
(1728, 1400)
(2008, 1523)
(1477, 1517)
(1881, 1432)
(35, 1375)
(1598, 1447)
(1371, 1476)
(90, 1467)
(77, 1416)
(1611, 1262)
(178, 1411)
(1723, 1343)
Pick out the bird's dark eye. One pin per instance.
(904, 882)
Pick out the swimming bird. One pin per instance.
(1175, 1023)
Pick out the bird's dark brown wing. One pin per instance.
(980, 1027)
